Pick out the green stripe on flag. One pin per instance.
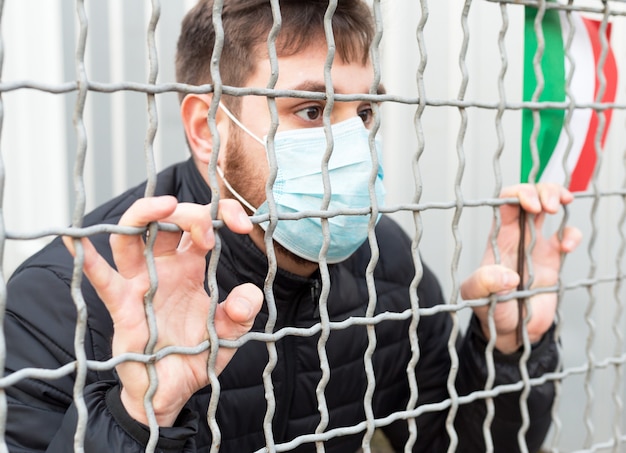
(553, 69)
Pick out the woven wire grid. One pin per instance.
(83, 86)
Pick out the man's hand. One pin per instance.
(181, 304)
(493, 278)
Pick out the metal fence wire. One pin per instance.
(589, 406)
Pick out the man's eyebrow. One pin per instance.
(317, 87)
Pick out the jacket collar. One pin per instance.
(191, 186)
(240, 259)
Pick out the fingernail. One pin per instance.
(69, 244)
(554, 202)
(245, 306)
(243, 217)
(209, 236)
(508, 279)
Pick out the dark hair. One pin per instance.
(247, 24)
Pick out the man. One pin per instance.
(279, 379)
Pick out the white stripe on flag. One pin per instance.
(582, 89)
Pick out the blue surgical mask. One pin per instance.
(299, 187)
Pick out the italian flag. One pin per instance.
(552, 142)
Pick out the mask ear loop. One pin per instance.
(240, 124)
(241, 199)
(220, 172)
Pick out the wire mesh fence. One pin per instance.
(452, 130)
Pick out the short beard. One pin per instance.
(236, 172)
(239, 177)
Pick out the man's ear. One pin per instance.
(194, 111)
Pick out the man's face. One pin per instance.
(245, 162)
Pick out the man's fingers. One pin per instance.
(196, 219)
(536, 198)
(487, 280)
(572, 237)
(235, 316)
(195, 222)
(105, 280)
(166, 242)
(553, 196)
(131, 247)
(234, 216)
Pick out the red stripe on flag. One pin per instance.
(582, 173)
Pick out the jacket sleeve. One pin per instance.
(508, 418)
(39, 329)
(110, 428)
(433, 368)
(432, 373)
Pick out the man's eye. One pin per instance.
(310, 113)
(366, 115)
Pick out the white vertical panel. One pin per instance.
(170, 144)
(439, 163)
(401, 60)
(119, 119)
(33, 141)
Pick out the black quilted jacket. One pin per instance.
(39, 327)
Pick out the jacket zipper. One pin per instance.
(315, 295)
(282, 415)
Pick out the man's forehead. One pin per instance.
(320, 87)
(305, 71)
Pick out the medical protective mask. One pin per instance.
(299, 187)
